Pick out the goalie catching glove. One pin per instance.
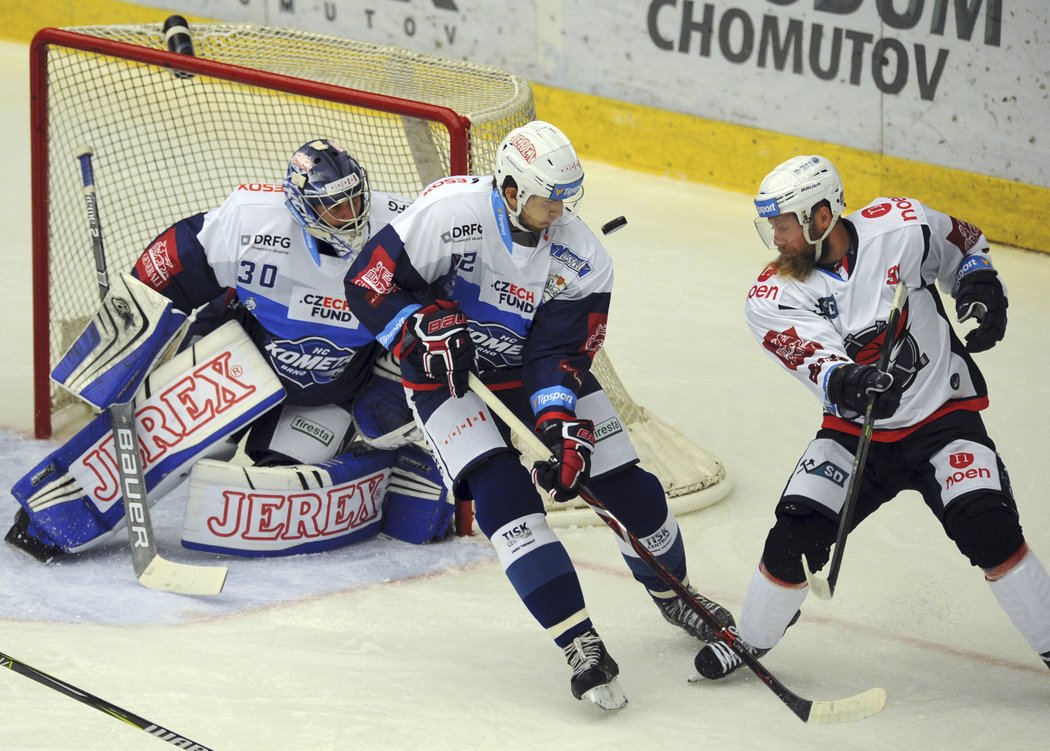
(851, 385)
(571, 441)
(437, 342)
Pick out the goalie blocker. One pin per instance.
(197, 401)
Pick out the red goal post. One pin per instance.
(173, 134)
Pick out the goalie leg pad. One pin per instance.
(274, 511)
(417, 508)
(196, 400)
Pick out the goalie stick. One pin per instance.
(824, 589)
(151, 569)
(157, 731)
(849, 709)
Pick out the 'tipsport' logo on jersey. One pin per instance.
(497, 347)
(308, 361)
(307, 305)
(570, 260)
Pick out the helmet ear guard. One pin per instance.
(797, 187)
(320, 189)
(542, 162)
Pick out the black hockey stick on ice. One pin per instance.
(849, 709)
(157, 731)
(151, 569)
(825, 588)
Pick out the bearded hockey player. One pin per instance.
(820, 311)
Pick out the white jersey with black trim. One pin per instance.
(839, 315)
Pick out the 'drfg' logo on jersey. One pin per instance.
(497, 347)
(308, 361)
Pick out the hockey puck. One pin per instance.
(614, 224)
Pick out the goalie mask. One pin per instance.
(542, 163)
(327, 192)
(796, 187)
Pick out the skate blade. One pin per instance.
(609, 696)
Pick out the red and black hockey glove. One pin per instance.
(851, 385)
(571, 440)
(436, 341)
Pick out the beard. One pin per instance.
(797, 265)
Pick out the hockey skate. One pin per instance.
(20, 536)
(594, 671)
(717, 659)
(676, 611)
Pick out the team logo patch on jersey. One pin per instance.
(160, 262)
(789, 347)
(308, 361)
(963, 235)
(311, 307)
(497, 347)
(570, 260)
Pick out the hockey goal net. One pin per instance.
(173, 134)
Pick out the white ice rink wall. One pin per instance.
(944, 100)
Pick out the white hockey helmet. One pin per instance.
(796, 187)
(542, 162)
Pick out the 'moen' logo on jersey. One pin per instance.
(308, 361)
(497, 347)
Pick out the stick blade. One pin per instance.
(817, 585)
(181, 578)
(850, 709)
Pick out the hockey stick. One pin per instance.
(849, 709)
(157, 731)
(825, 588)
(151, 570)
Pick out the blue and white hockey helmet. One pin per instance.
(542, 162)
(327, 192)
(796, 187)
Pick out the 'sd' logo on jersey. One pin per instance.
(826, 470)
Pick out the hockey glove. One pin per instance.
(571, 441)
(981, 295)
(850, 386)
(436, 341)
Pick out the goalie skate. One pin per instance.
(594, 672)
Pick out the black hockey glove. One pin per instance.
(571, 441)
(436, 341)
(981, 295)
(850, 386)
